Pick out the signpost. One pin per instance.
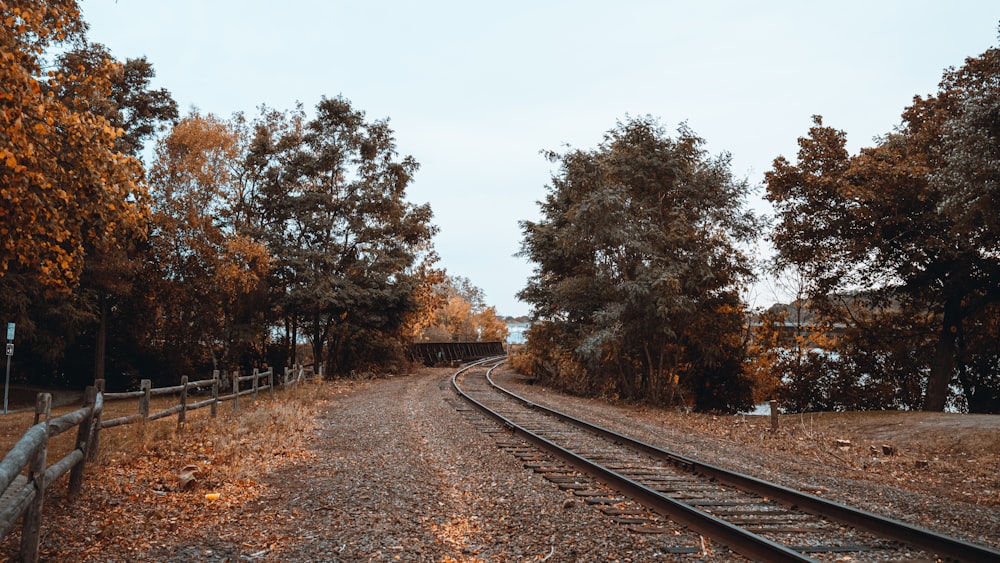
(10, 352)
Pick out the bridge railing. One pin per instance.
(446, 353)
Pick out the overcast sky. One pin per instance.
(474, 90)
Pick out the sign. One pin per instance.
(10, 332)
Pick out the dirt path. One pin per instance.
(400, 475)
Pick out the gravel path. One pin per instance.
(403, 476)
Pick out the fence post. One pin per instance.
(236, 390)
(147, 386)
(255, 376)
(95, 432)
(215, 393)
(31, 530)
(270, 382)
(288, 372)
(184, 401)
(82, 435)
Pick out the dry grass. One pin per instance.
(235, 443)
(155, 475)
(951, 455)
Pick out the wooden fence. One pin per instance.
(24, 493)
(146, 392)
(24, 477)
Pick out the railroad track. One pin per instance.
(759, 520)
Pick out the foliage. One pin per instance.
(346, 244)
(130, 105)
(426, 297)
(65, 186)
(76, 208)
(907, 225)
(768, 340)
(204, 265)
(639, 268)
(861, 366)
(109, 273)
(281, 222)
(461, 314)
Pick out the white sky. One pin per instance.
(475, 90)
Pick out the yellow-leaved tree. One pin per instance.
(63, 184)
(206, 266)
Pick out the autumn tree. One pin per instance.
(639, 268)
(345, 241)
(907, 228)
(427, 298)
(203, 263)
(461, 314)
(70, 192)
(138, 112)
(65, 184)
(131, 105)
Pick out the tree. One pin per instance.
(638, 268)
(70, 193)
(64, 183)
(203, 264)
(427, 299)
(130, 105)
(461, 314)
(138, 112)
(908, 224)
(346, 244)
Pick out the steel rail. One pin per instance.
(902, 532)
(746, 543)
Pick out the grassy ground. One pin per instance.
(151, 475)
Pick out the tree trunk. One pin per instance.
(317, 341)
(102, 338)
(943, 364)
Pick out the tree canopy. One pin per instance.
(639, 268)
(63, 182)
(346, 244)
(280, 221)
(908, 226)
(459, 313)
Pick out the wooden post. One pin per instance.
(288, 373)
(95, 432)
(774, 414)
(147, 386)
(83, 433)
(270, 382)
(32, 527)
(184, 401)
(236, 390)
(215, 393)
(256, 375)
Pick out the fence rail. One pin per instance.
(24, 477)
(146, 392)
